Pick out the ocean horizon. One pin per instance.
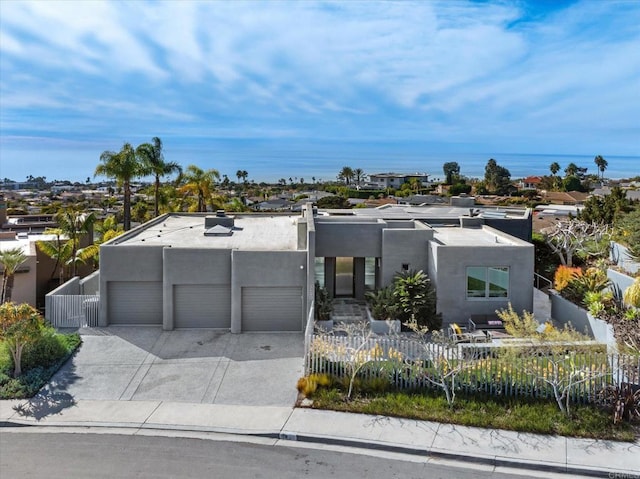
(270, 161)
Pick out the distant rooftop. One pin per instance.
(431, 212)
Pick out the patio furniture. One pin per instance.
(485, 322)
(460, 334)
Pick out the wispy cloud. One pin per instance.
(510, 74)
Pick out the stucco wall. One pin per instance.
(449, 276)
(24, 282)
(403, 246)
(620, 255)
(352, 239)
(622, 281)
(90, 284)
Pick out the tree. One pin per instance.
(451, 170)
(496, 177)
(628, 232)
(544, 357)
(444, 363)
(20, 324)
(123, 166)
(605, 209)
(150, 154)
(242, 175)
(416, 299)
(571, 183)
(333, 202)
(11, 259)
(199, 183)
(571, 170)
(601, 163)
(554, 168)
(65, 248)
(346, 175)
(359, 175)
(566, 238)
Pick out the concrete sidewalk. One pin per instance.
(495, 448)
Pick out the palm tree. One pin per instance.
(346, 175)
(122, 166)
(150, 154)
(359, 174)
(11, 259)
(65, 248)
(601, 163)
(200, 183)
(554, 167)
(74, 224)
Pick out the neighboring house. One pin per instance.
(565, 197)
(278, 204)
(633, 195)
(25, 279)
(396, 180)
(38, 275)
(423, 200)
(530, 183)
(254, 272)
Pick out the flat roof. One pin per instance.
(251, 233)
(455, 236)
(434, 212)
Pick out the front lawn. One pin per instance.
(533, 416)
(40, 361)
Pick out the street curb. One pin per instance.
(491, 461)
(333, 441)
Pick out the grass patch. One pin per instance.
(40, 361)
(533, 416)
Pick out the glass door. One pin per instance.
(344, 277)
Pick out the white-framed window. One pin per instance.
(486, 282)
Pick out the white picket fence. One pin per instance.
(72, 311)
(408, 364)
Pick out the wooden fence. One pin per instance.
(516, 371)
(72, 311)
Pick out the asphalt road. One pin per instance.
(88, 455)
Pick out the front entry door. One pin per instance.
(344, 277)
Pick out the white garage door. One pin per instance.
(202, 306)
(135, 302)
(272, 309)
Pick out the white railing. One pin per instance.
(407, 363)
(308, 334)
(72, 311)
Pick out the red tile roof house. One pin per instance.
(530, 183)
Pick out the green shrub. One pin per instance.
(46, 350)
(40, 361)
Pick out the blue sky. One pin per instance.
(281, 88)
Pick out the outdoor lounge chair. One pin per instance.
(460, 334)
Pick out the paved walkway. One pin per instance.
(495, 448)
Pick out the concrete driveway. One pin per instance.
(199, 366)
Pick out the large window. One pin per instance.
(487, 282)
